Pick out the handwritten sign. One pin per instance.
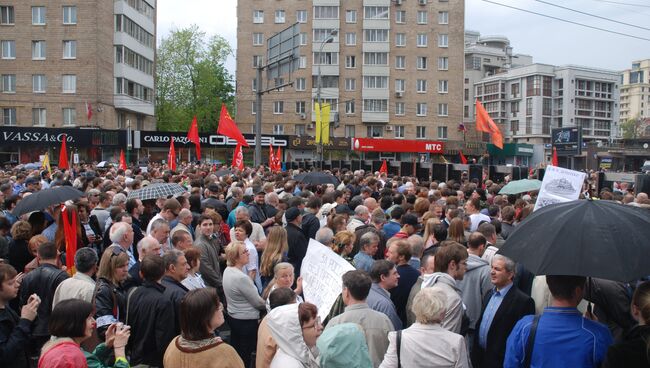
(321, 273)
(559, 185)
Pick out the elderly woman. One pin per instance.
(295, 328)
(282, 278)
(243, 302)
(426, 343)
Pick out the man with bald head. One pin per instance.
(184, 223)
(370, 203)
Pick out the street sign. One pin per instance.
(282, 53)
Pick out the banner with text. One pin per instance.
(559, 185)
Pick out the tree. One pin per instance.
(631, 128)
(191, 79)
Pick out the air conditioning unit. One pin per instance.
(399, 94)
(398, 2)
(422, 2)
(389, 128)
(310, 126)
(303, 116)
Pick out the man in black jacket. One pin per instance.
(310, 223)
(149, 313)
(297, 240)
(258, 211)
(176, 269)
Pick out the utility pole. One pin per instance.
(320, 149)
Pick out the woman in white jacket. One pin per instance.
(295, 328)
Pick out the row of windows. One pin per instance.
(374, 131)
(39, 116)
(369, 12)
(127, 56)
(141, 7)
(125, 24)
(39, 83)
(39, 15)
(124, 86)
(369, 82)
(369, 106)
(39, 49)
(370, 58)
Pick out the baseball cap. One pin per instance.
(344, 208)
(291, 214)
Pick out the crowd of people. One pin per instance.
(210, 277)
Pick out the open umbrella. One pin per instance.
(46, 198)
(223, 172)
(521, 186)
(299, 177)
(319, 177)
(158, 190)
(584, 238)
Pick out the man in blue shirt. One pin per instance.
(368, 245)
(384, 277)
(564, 338)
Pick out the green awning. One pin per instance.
(511, 150)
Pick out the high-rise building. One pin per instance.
(61, 59)
(391, 69)
(635, 91)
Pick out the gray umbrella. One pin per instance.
(46, 198)
(158, 190)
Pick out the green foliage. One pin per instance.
(631, 128)
(191, 79)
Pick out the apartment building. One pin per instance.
(635, 91)
(389, 69)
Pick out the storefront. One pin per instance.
(516, 154)
(303, 148)
(397, 149)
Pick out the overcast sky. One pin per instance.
(547, 40)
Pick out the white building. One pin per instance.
(635, 91)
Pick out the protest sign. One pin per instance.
(321, 273)
(559, 185)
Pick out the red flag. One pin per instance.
(193, 136)
(554, 158)
(70, 236)
(484, 123)
(89, 110)
(228, 127)
(238, 158)
(463, 159)
(272, 163)
(278, 159)
(63, 155)
(384, 167)
(171, 157)
(122, 160)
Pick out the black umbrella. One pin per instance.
(46, 198)
(299, 177)
(319, 177)
(601, 239)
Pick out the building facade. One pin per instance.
(391, 69)
(635, 91)
(77, 64)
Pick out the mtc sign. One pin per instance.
(396, 145)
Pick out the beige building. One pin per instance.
(394, 69)
(58, 57)
(635, 91)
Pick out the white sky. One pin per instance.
(547, 40)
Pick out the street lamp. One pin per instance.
(329, 39)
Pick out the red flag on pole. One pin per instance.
(70, 236)
(271, 159)
(171, 157)
(228, 127)
(122, 160)
(278, 159)
(193, 136)
(554, 158)
(463, 159)
(484, 123)
(384, 167)
(63, 155)
(238, 158)
(89, 110)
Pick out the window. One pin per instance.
(443, 86)
(443, 63)
(375, 35)
(349, 131)
(257, 61)
(333, 102)
(278, 129)
(400, 85)
(350, 84)
(399, 108)
(39, 83)
(38, 15)
(258, 39)
(375, 58)
(302, 62)
(466, 94)
(421, 85)
(301, 16)
(442, 132)
(326, 58)
(69, 49)
(420, 132)
(9, 113)
(69, 83)
(443, 109)
(422, 17)
(39, 117)
(301, 107)
(400, 39)
(399, 131)
(279, 16)
(70, 15)
(278, 107)
(9, 83)
(376, 82)
(422, 40)
(38, 50)
(375, 105)
(400, 16)
(375, 131)
(126, 25)
(350, 16)
(514, 126)
(400, 62)
(421, 109)
(443, 17)
(9, 49)
(322, 34)
(278, 83)
(327, 81)
(253, 108)
(69, 117)
(258, 16)
(375, 12)
(422, 62)
(328, 12)
(303, 38)
(300, 84)
(349, 107)
(350, 61)
(443, 40)
(254, 85)
(529, 106)
(300, 129)
(7, 16)
(350, 38)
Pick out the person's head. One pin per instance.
(384, 273)
(259, 198)
(8, 285)
(135, 207)
(160, 230)
(489, 232)
(310, 323)
(476, 243)
(429, 305)
(243, 229)
(451, 258)
(293, 216)
(21, 230)
(641, 303)
(427, 264)
(170, 210)
(206, 225)
(325, 235)
(241, 213)
(114, 265)
(416, 242)
(472, 205)
(85, 260)
(181, 240)
(283, 274)
(201, 313)
(152, 268)
(343, 242)
(507, 214)
(281, 296)
(397, 213)
(35, 242)
(193, 257)
(356, 286)
(502, 272)
(456, 230)
(185, 217)
(236, 254)
(148, 245)
(47, 252)
(410, 224)
(362, 213)
(399, 252)
(72, 318)
(121, 233)
(566, 288)
(176, 265)
(369, 243)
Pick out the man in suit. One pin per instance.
(502, 308)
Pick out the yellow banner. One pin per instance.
(325, 117)
(318, 121)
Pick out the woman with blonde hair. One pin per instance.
(275, 252)
(109, 299)
(457, 231)
(429, 226)
(33, 245)
(282, 277)
(343, 243)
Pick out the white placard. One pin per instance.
(321, 273)
(75, 158)
(559, 185)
